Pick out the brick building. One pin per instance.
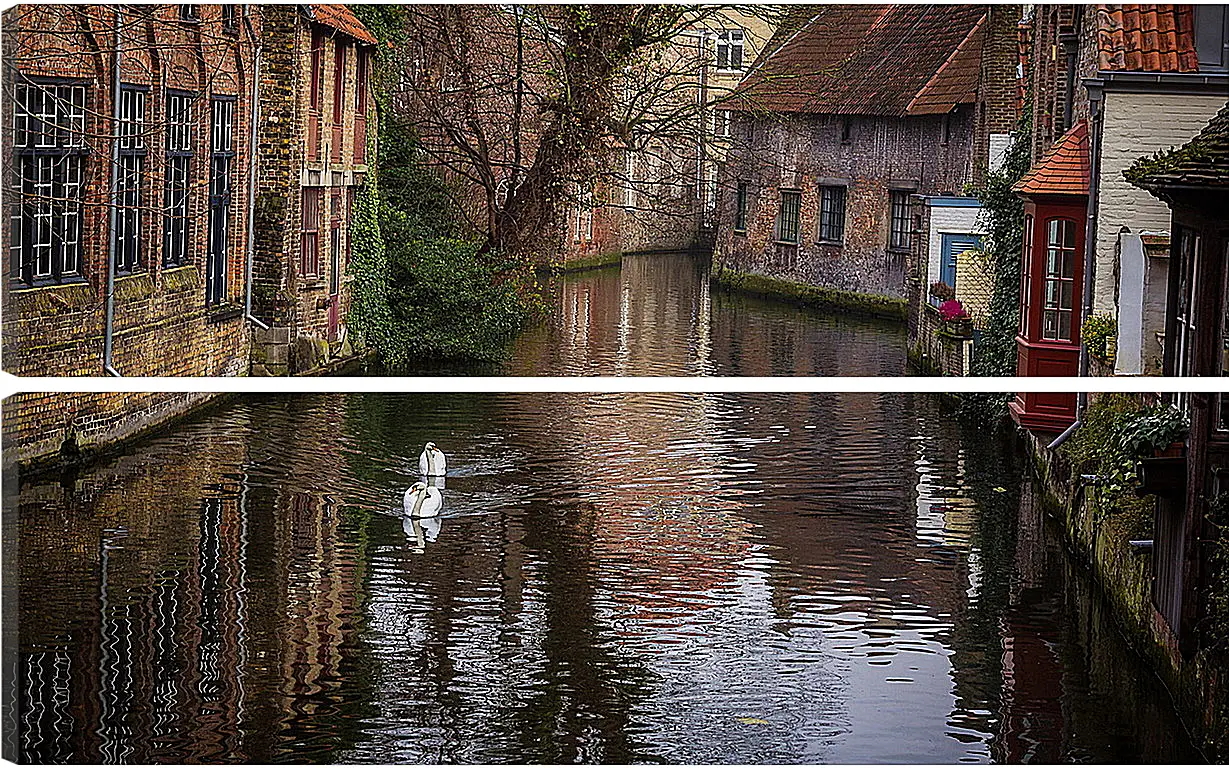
(837, 140)
(317, 129)
(1110, 83)
(127, 226)
(659, 191)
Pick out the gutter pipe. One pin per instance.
(254, 116)
(1096, 94)
(108, 344)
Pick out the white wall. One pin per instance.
(1136, 125)
(947, 221)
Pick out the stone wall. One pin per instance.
(41, 427)
(801, 152)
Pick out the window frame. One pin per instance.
(310, 222)
(180, 150)
(230, 18)
(1060, 280)
(828, 214)
(57, 164)
(727, 42)
(723, 119)
(129, 186)
(222, 153)
(740, 207)
(789, 218)
(900, 228)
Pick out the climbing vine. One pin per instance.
(423, 289)
(1003, 220)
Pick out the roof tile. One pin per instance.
(1146, 38)
(1064, 170)
(868, 60)
(342, 19)
(1202, 162)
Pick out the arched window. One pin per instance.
(1059, 290)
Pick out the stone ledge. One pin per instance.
(811, 295)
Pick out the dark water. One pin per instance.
(656, 315)
(618, 577)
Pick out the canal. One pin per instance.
(623, 578)
(657, 315)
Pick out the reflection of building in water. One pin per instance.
(143, 634)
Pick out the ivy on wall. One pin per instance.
(1003, 220)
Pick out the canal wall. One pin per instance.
(804, 294)
(44, 429)
(1098, 538)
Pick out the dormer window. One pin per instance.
(1212, 37)
(730, 43)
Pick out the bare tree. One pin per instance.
(527, 108)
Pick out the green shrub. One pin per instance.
(1097, 332)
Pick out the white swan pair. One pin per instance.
(422, 500)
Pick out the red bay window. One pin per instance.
(1055, 195)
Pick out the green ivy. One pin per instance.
(423, 289)
(1003, 219)
(1115, 432)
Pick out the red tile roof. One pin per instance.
(342, 19)
(1064, 170)
(1146, 38)
(868, 60)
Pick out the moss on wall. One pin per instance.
(810, 295)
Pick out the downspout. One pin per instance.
(254, 117)
(108, 343)
(1096, 95)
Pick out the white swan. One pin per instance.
(422, 500)
(432, 462)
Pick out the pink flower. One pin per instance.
(952, 310)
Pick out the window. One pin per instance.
(335, 263)
(48, 161)
(629, 181)
(362, 61)
(188, 13)
(130, 180)
(740, 208)
(947, 127)
(787, 217)
(222, 157)
(230, 18)
(314, 96)
(1059, 280)
(846, 130)
(1026, 287)
(721, 123)
(339, 83)
(730, 44)
(178, 179)
(901, 237)
(1212, 37)
(832, 214)
(309, 257)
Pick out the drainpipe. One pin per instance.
(107, 343)
(254, 116)
(1096, 94)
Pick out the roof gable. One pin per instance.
(1065, 168)
(870, 60)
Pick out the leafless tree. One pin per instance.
(526, 108)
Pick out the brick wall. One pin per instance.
(1135, 125)
(997, 94)
(162, 326)
(800, 152)
(310, 329)
(36, 425)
